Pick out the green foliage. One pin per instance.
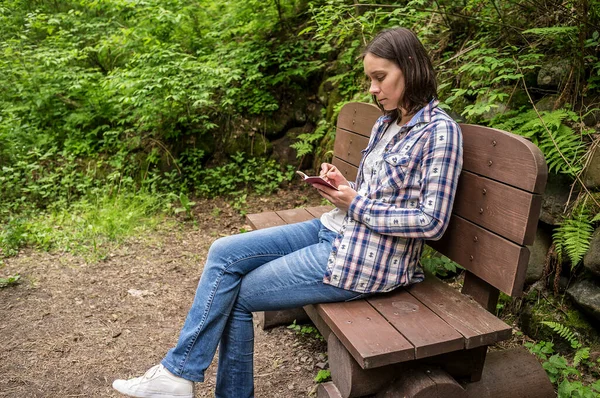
(89, 227)
(562, 148)
(186, 205)
(438, 265)
(12, 237)
(573, 236)
(566, 376)
(323, 376)
(541, 349)
(564, 332)
(306, 330)
(241, 173)
(10, 281)
(486, 75)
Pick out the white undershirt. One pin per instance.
(371, 169)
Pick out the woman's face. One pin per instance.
(387, 81)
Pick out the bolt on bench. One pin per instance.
(429, 340)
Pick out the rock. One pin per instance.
(547, 103)
(555, 198)
(554, 73)
(313, 110)
(539, 250)
(591, 175)
(496, 108)
(591, 260)
(251, 143)
(586, 294)
(285, 154)
(591, 111)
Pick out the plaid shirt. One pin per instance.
(381, 240)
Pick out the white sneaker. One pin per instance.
(158, 382)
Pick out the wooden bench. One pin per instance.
(429, 340)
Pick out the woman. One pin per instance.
(369, 243)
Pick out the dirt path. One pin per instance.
(71, 328)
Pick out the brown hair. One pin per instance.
(402, 46)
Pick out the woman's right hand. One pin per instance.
(331, 173)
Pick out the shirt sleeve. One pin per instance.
(441, 164)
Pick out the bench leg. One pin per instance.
(269, 319)
(464, 365)
(328, 390)
(349, 378)
(423, 382)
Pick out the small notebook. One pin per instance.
(316, 180)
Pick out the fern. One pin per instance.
(581, 355)
(553, 31)
(573, 236)
(562, 139)
(305, 142)
(565, 333)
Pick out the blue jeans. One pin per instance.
(270, 269)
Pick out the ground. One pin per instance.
(71, 327)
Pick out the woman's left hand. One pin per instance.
(341, 198)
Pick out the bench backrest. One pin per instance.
(497, 205)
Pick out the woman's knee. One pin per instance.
(221, 247)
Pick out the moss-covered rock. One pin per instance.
(539, 306)
(251, 143)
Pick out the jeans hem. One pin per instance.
(173, 369)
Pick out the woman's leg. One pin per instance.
(286, 282)
(229, 259)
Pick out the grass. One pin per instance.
(89, 227)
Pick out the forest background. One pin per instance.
(113, 112)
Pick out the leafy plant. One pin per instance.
(10, 281)
(323, 376)
(562, 148)
(572, 237)
(186, 206)
(437, 264)
(563, 332)
(306, 330)
(567, 376)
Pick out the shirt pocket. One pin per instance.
(395, 167)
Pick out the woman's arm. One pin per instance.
(441, 164)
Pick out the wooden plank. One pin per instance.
(328, 390)
(318, 211)
(479, 327)
(354, 323)
(291, 216)
(504, 157)
(349, 171)
(498, 207)
(269, 319)
(427, 332)
(514, 373)
(348, 146)
(264, 220)
(313, 314)
(496, 260)
(358, 117)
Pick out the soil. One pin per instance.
(71, 327)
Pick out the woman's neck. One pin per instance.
(404, 118)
